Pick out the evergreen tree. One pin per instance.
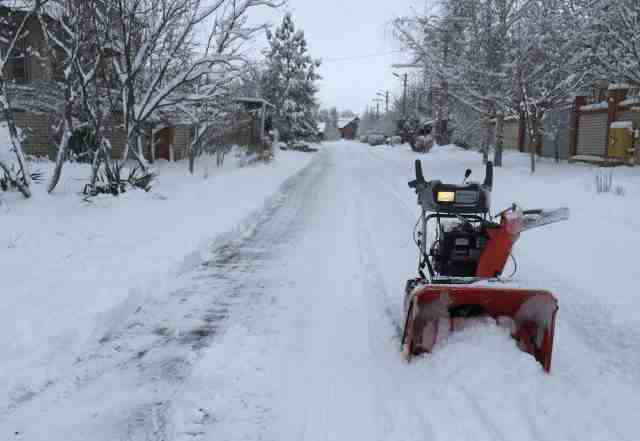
(289, 82)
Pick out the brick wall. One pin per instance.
(39, 133)
(40, 138)
(117, 137)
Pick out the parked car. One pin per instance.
(394, 140)
(376, 139)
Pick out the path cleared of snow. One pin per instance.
(74, 270)
(289, 327)
(319, 358)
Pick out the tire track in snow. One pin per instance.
(619, 343)
(409, 416)
(615, 346)
(156, 348)
(582, 406)
(242, 255)
(466, 408)
(402, 415)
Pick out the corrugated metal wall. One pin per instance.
(556, 122)
(592, 134)
(511, 134)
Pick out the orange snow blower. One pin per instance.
(464, 259)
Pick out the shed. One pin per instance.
(348, 127)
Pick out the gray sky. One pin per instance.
(349, 29)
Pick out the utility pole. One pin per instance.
(385, 95)
(404, 92)
(404, 96)
(378, 101)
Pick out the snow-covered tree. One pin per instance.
(323, 115)
(610, 41)
(14, 28)
(290, 81)
(76, 49)
(541, 76)
(334, 117)
(210, 105)
(158, 59)
(488, 58)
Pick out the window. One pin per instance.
(17, 65)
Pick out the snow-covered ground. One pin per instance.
(287, 328)
(72, 269)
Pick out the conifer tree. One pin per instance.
(289, 82)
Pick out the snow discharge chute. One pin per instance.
(464, 258)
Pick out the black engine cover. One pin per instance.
(457, 252)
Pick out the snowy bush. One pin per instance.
(83, 144)
(248, 156)
(604, 179)
(604, 183)
(8, 181)
(619, 190)
(110, 179)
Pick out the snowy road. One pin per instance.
(290, 331)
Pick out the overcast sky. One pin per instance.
(353, 29)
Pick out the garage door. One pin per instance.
(592, 134)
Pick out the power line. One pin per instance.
(360, 57)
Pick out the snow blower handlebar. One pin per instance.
(470, 198)
(419, 182)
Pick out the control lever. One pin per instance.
(467, 173)
(419, 180)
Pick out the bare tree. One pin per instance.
(500, 57)
(609, 41)
(158, 61)
(542, 78)
(465, 47)
(76, 38)
(211, 104)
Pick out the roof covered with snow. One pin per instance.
(344, 122)
(595, 106)
(622, 125)
(630, 101)
(53, 9)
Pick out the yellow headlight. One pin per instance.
(446, 196)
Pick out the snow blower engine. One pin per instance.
(460, 244)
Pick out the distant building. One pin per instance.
(348, 127)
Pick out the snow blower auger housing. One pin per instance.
(468, 247)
